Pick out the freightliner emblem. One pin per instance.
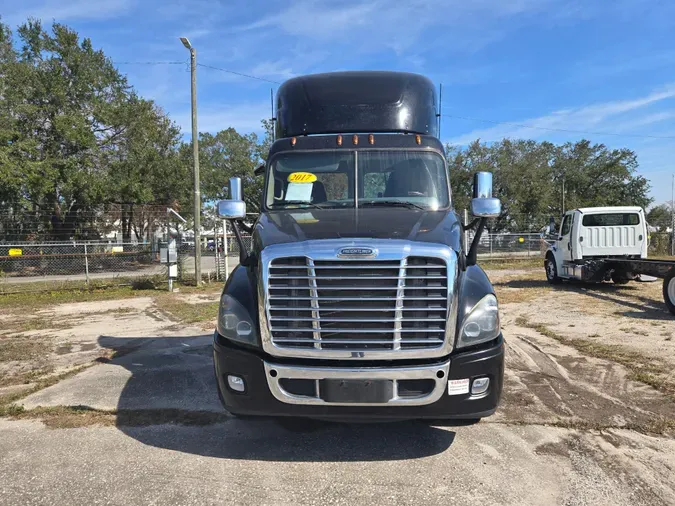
(357, 252)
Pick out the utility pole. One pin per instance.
(563, 195)
(195, 161)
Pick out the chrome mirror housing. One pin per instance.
(233, 208)
(483, 204)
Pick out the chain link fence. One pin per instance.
(51, 264)
(22, 264)
(505, 246)
(514, 246)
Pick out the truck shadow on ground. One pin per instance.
(639, 307)
(170, 401)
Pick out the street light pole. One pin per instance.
(195, 161)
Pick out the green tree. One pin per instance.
(75, 136)
(529, 175)
(229, 154)
(145, 173)
(660, 217)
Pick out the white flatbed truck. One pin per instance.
(597, 244)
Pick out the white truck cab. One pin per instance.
(606, 243)
(595, 233)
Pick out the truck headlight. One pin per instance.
(481, 324)
(234, 322)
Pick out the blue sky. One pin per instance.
(601, 66)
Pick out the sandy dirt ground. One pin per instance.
(113, 401)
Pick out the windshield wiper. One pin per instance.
(393, 203)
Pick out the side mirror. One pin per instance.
(483, 204)
(233, 208)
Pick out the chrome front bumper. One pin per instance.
(438, 373)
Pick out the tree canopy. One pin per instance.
(529, 178)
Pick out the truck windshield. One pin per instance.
(330, 179)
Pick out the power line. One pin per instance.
(241, 74)
(234, 72)
(564, 130)
(150, 62)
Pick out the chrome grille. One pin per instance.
(358, 305)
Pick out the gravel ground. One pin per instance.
(579, 424)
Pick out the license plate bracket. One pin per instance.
(356, 391)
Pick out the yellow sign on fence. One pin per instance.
(118, 249)
(15, 252)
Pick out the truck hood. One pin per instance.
(275, 227)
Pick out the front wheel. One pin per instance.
(669, 290)
(551, 271)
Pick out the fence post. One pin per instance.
(216, 250)
(528, 245)
(86, 265)
(466, 230)
(226, 251)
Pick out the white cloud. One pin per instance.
(59, 10)
(373, 24)
(607, 116)
(273, 70)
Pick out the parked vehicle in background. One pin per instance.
(358, 298)
(598, 244)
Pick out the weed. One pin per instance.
(511, 263)
(187, 313)
(7, 400)
(66, 417)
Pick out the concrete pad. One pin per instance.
(260, 462)
(163, 372)
(98, 306)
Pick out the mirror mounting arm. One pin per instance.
(470, 225)
(243, 257)
(245, 227)
(472, 256)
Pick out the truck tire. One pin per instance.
(551, 271)
(669, 290)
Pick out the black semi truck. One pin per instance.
(358, 299)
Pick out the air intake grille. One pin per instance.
(358, 304)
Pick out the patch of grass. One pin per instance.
(24, 378)
(658, 425)
(643, 369)
(32, 324)
(184, 312)
(521, 288)
(61, 293)
(6, 401)
(511, 263)
(18, 348)
(67, 417)
(34, 301)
